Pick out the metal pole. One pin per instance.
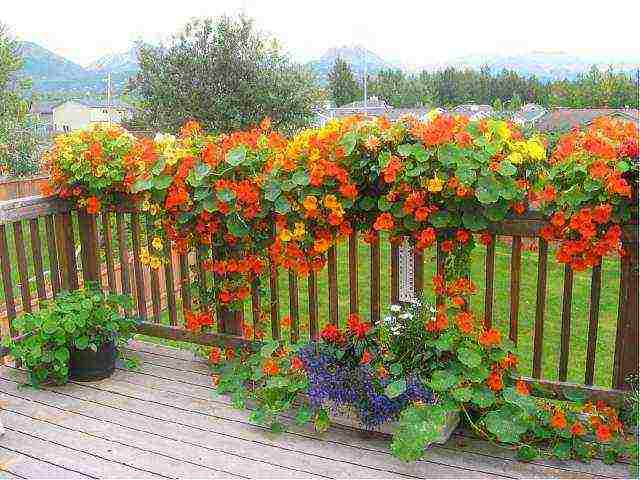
(365, 80)
(109, 97)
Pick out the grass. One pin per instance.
(552, 326)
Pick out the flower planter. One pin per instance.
(87, 365)
(348, 417)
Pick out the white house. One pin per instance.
(73, 114)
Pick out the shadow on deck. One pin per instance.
(164, 420)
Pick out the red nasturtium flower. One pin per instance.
(523, 387)
(494, 382)
(356, 327)
(384, 222)
(558, 420)
(330, 333)
(490, 338)
(296, 363)
(93, 205)
(603, 433)
(577, 429)
(366, 357)
(271, 367)
(216, 355)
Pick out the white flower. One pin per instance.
(406, 315)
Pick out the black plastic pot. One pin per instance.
(87, 365)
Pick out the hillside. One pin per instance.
(547, 66)
(354, 56)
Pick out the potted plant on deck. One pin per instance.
(73, 336)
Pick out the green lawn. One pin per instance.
(582, 282)
(552, 325)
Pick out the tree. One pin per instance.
(343, 85)
(515, 103)
(18, 141)
(225, 74)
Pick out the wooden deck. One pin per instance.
(165, 421)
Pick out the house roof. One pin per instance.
(90, 103)
(474, 111)
(560, 119)
(43, 108)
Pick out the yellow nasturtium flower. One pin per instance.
(285, 235)
(516, 158)
(144, 256)
(155, 263)
(145, 206)
(310, 202)
(299, 231)
(435, 184)
(157, 243)
(535, 149)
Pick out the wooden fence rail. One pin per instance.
(108, 248)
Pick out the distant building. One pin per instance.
(74, 114)
(529, 114)
(474, 111)
(43, 115)
(561, 119)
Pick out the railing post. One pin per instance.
(626, 355)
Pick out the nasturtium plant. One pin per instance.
(245, 199)
(76, 320)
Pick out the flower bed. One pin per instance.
(254, 197)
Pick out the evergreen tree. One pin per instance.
(343, 85)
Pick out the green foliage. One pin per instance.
(76, 320)
(343, 85)
(270, 380)
(18, 140)
(227, 75)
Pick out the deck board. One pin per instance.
(164, 420)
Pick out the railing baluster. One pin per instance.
(23, 271)
(137, 265)
(294, 312)
(156, 300)
(108, 251)
(255, 307)
(36, 251)
(123, 252)
(395, 276)
(169, 282)
(440, 261)
(418, 270)
(275, 302)
(70, 245)
(332, 272)
(375, 279)
(312, 290)
(514, 292)
(54, 268)
(567, 296)
(594, 311)
(353, 273)
(185, 282)
(488, 277)
(7, 281)
(541, 300)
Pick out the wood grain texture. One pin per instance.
(514, 291)
(541, 300)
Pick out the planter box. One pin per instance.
(348, 417)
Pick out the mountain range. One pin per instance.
(51, 72)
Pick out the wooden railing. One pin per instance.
(108, 250)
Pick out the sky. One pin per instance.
(410, 32)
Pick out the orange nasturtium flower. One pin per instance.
(271, 367)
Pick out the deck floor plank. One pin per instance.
(164, 420)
